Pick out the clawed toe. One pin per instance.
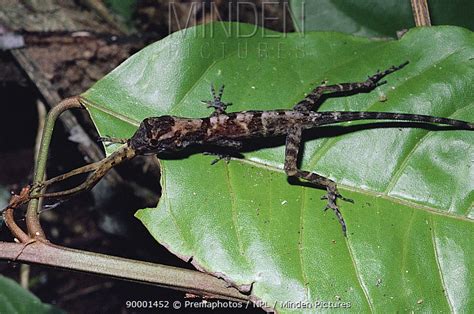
(337, 195)
(220, 157)
(380, 83)
(37, 186)
(216, 102)
(345, 198)
(107, 140)
(331, 196)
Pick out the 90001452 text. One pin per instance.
(144, 304)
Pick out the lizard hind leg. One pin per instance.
(216, 102)
(293, 141)
(372, 82)
(99, 169)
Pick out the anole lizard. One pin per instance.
(168, 134)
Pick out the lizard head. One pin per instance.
(154, 135)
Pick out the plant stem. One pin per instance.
(32, 218)
(181, 279)
(9, 219)
(421, 13)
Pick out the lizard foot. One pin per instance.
(219, 156)
(345, 199)
(37, 186)
(111, 140)
(375, 80)
(225, 154)
(331, 196)
(216, 102)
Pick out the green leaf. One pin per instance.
(15, 299)
(410, 229)
(374, 18)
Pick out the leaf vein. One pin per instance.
(233, 209)
(438, 266)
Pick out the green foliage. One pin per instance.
(410, 230)
(375, 18)
(15, 299)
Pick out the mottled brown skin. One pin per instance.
(168, 134)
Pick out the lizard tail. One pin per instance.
(342, 116)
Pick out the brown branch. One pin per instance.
(421, 13)
(9, 218)
(190, 281)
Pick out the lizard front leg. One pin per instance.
(88, 184)
(72, 173)
(216, 102)
(233, 147)
(293, 140)
(360, 87)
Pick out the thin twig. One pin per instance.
(9, 218)
(40, 106)
(421, 13)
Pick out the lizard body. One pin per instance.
(167, 134)
(170, 133)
